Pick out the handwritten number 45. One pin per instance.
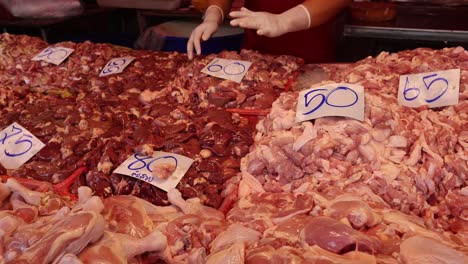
(325, 99)
(24, 140)
(411, 93)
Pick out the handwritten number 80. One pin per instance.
(141, 162)
(324, 99)
(408, 91)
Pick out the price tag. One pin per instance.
(337, 99)
(163, 170)
(434, 89)
(17, 146)
(116, 65)
(54, 55)
(233, 70)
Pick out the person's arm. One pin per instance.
(321, 11)
(214, 15)
(310, 13)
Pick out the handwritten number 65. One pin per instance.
(428, 86)
(326, 98)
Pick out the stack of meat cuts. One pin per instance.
(391, 189)
(97, 122)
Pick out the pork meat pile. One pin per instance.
(413, 160)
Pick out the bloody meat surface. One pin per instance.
(97, 122)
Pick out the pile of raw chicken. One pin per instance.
(390, 189)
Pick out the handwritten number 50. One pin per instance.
(52, 54)
(408, 91)
(325, 99)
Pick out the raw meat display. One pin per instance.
(98, 122)
(266, 79)
(390, 189)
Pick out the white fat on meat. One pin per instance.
(315, 254)
(249, 184)
(70, 259)
(31, 197)
(196, 256)
(411, 225)
(8, 225)
(307, 135)
(336, 237)
(133, 216)
(388, 172)
(397, 141)
(4, 192)
(235, 254)
(424, 250)
(235, 233)
(356, 211)
(147, 96)
(84, 194)
(114, 248)
(193, 206)
(27, 212)
(70, 235)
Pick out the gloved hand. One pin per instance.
(272, 25)
(213, 17)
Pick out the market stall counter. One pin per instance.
(130, 156)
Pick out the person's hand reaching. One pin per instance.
(272, 25)
(213, 17)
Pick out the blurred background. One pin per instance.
(365, 29)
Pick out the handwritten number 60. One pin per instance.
(325, 98)
(114, 66)
(234, 68)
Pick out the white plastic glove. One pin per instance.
(213, 17)
(271, 25)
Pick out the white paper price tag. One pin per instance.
(17, 146)
(116, 65)
(337, 99)
(434, 89)
(163, 170)
(54, 55)
(233, 70)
